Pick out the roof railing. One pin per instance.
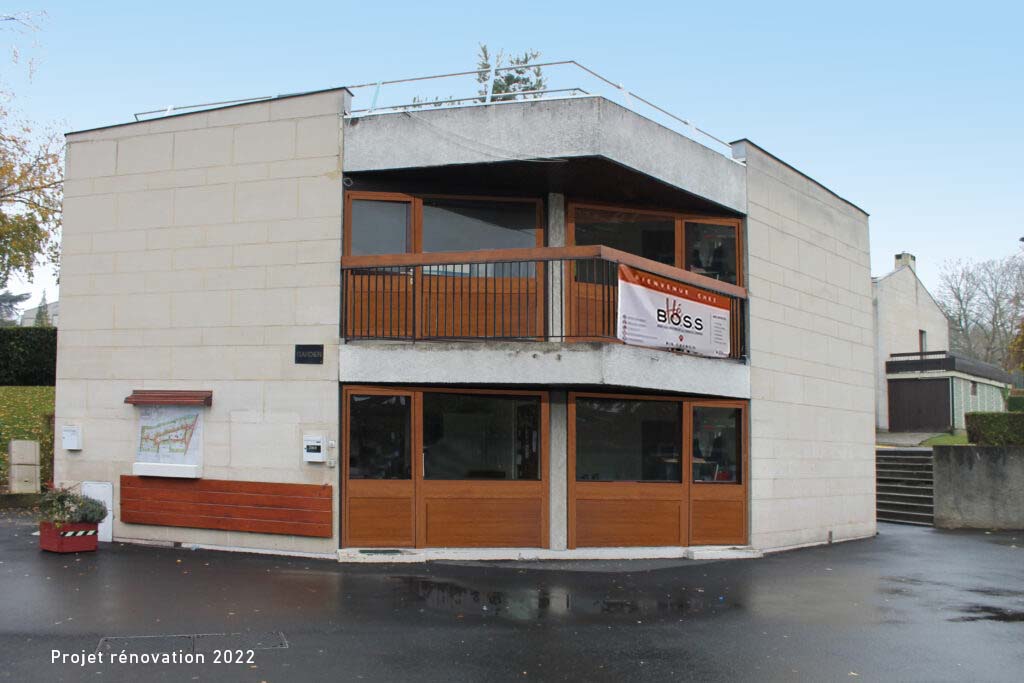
(425, 92)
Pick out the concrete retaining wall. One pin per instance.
(979, 487)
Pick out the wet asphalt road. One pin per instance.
(911, 604)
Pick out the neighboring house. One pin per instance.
(907, 319)
(461, 379)
(920, 385)
(28, 318)
(931, 392)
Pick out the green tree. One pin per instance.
(31, 182)
(519, 81)
(43, 314)
(9, 307)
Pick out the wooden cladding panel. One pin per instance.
(622, 523)
(718, 522)
(381, 522)
(169, 397)
(483, 522)
(258, 507)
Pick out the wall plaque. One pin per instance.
(309, 354)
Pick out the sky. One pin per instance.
(912, 111)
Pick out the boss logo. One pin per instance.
(672, 313)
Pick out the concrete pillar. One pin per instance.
(555, 238)
(558, 467)
(23, 472)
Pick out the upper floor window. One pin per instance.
(469, 224)
(652, 236)
(706, 245)
(383, 227)
(393, 223)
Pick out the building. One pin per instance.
(932, 391)
(921, 386)
(907, 320)
(461, 380)
(28, 318)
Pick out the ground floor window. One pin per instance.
(628, 440)
(627, 459)
(480, 436)
(717, 445)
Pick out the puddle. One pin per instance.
(524, 604)
(989, 613)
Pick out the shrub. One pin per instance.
(995, 429)
(1015, 403)
(64, 506)
(28, 356)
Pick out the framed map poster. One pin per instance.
(169, 441)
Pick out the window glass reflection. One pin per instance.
(379, 437)
(628, 440)
(378, 227)
(716, 444)
(646, 235)
(478, 436)
(711, 250)
(469, 225)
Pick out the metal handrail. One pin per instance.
(373, 108)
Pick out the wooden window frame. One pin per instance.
(414, 234)
(680, 218)
(689, 492)
(444, 487)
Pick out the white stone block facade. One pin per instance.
(198, 250)
(811, 359)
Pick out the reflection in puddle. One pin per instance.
(523, 604)
(989, 613)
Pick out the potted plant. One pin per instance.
(70, 521)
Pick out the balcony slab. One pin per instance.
(588, 364)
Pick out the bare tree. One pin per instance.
(984, 301)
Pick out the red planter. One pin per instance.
(68, 538)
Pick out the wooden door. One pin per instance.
(392, 496)
(380, 454)
(630, 513)
(719, 471)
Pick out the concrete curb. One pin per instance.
(418, 555)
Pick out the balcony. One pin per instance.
(547, 294)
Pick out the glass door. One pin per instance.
(380, 456)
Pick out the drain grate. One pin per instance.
(193, 643)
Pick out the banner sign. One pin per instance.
(658, 312)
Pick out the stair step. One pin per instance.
(906, 499)
(917, 474)
(915, 486)
(917, 467)
(893, 520)
(905, 517)
(912, 508)
(913, 461)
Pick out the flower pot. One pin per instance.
(68, 538)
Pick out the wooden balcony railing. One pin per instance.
(550, 293)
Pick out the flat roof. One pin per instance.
(200, 108)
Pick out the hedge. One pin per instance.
(1015, 404)
(28, 356)
(995, 429)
